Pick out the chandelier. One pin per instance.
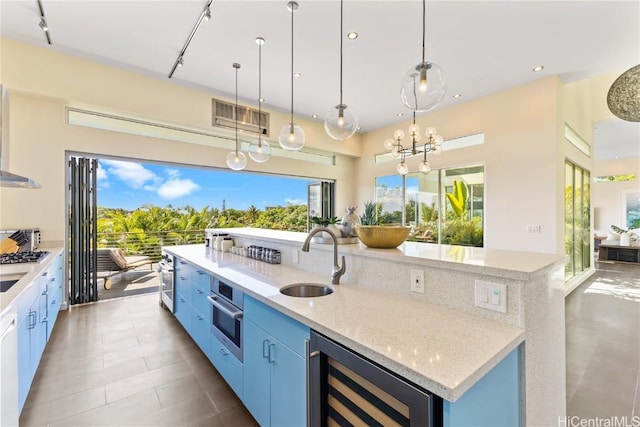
(433, 145)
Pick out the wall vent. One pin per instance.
(249, 120)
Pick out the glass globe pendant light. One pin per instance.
(424, 85)
(259, 150)
(236, 159)
(291, 135)
(341, 122)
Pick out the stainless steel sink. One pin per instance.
(306, 290)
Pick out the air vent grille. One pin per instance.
(249, 120)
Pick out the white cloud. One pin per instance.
(101, 174)
(133, 174)
(295, 201)
(175, 188)
(173, 173)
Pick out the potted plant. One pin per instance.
(376, 235)
(329, 223)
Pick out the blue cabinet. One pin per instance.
(37, 313)
(182, 292)
(55, 293)
(274, 366)
(229, 367)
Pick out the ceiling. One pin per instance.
(483, 46)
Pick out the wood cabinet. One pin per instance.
(274, 366)
(629, 254)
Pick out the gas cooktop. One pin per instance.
(20, 257)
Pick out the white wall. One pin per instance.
(43, 83)
(520, 156)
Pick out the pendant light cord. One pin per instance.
(236, 66)
(424, 19)
(260, 94)
(341, 18)
(292, 12)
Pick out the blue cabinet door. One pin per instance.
(183, 311)
(200, 289)
(257, 372)
(288, 387)
(200, 330)
(229, 367)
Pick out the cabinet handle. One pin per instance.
(272, 354)
(45, 273)
(53, 279)
(223, 352)
(53, 302)
(265, 349)
(200, 291)
(309, 354)
(200, 317)
(182, 278)
(31, 326)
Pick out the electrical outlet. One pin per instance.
(417, 281)
(534, 228)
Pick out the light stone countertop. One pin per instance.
(441, 349)
(509, 264)
(31, 271)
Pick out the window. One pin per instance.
(445, 206)
(577, 205)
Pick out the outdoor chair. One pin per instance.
(112, 261)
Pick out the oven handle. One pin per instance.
(213, 299)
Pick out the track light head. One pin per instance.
(207, 13)
(43, 25)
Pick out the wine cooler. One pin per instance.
(346, 389)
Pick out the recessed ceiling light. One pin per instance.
(538, 68)
(457, 95)
(352, 35)
(296, 75)
(315, 116)
(400, 114)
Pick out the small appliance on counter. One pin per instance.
(25, 240)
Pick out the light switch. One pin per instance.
(495, 297)
(491, 295)
(484, 294)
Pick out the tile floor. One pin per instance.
(127, 362)
(603, 344)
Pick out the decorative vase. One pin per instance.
(349, 221)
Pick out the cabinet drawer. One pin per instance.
(183, 311)
(288, 331)
(200, 289)
(228, 366)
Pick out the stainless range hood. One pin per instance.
(8, 179)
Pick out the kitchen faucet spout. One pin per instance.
(337, 270)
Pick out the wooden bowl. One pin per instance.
(382, 236)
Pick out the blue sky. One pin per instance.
(129, 185)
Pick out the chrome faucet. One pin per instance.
(337, 270)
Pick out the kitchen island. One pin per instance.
(438, 340)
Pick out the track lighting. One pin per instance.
(205, 15)
(43, 25)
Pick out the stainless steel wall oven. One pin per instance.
(227, 310)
